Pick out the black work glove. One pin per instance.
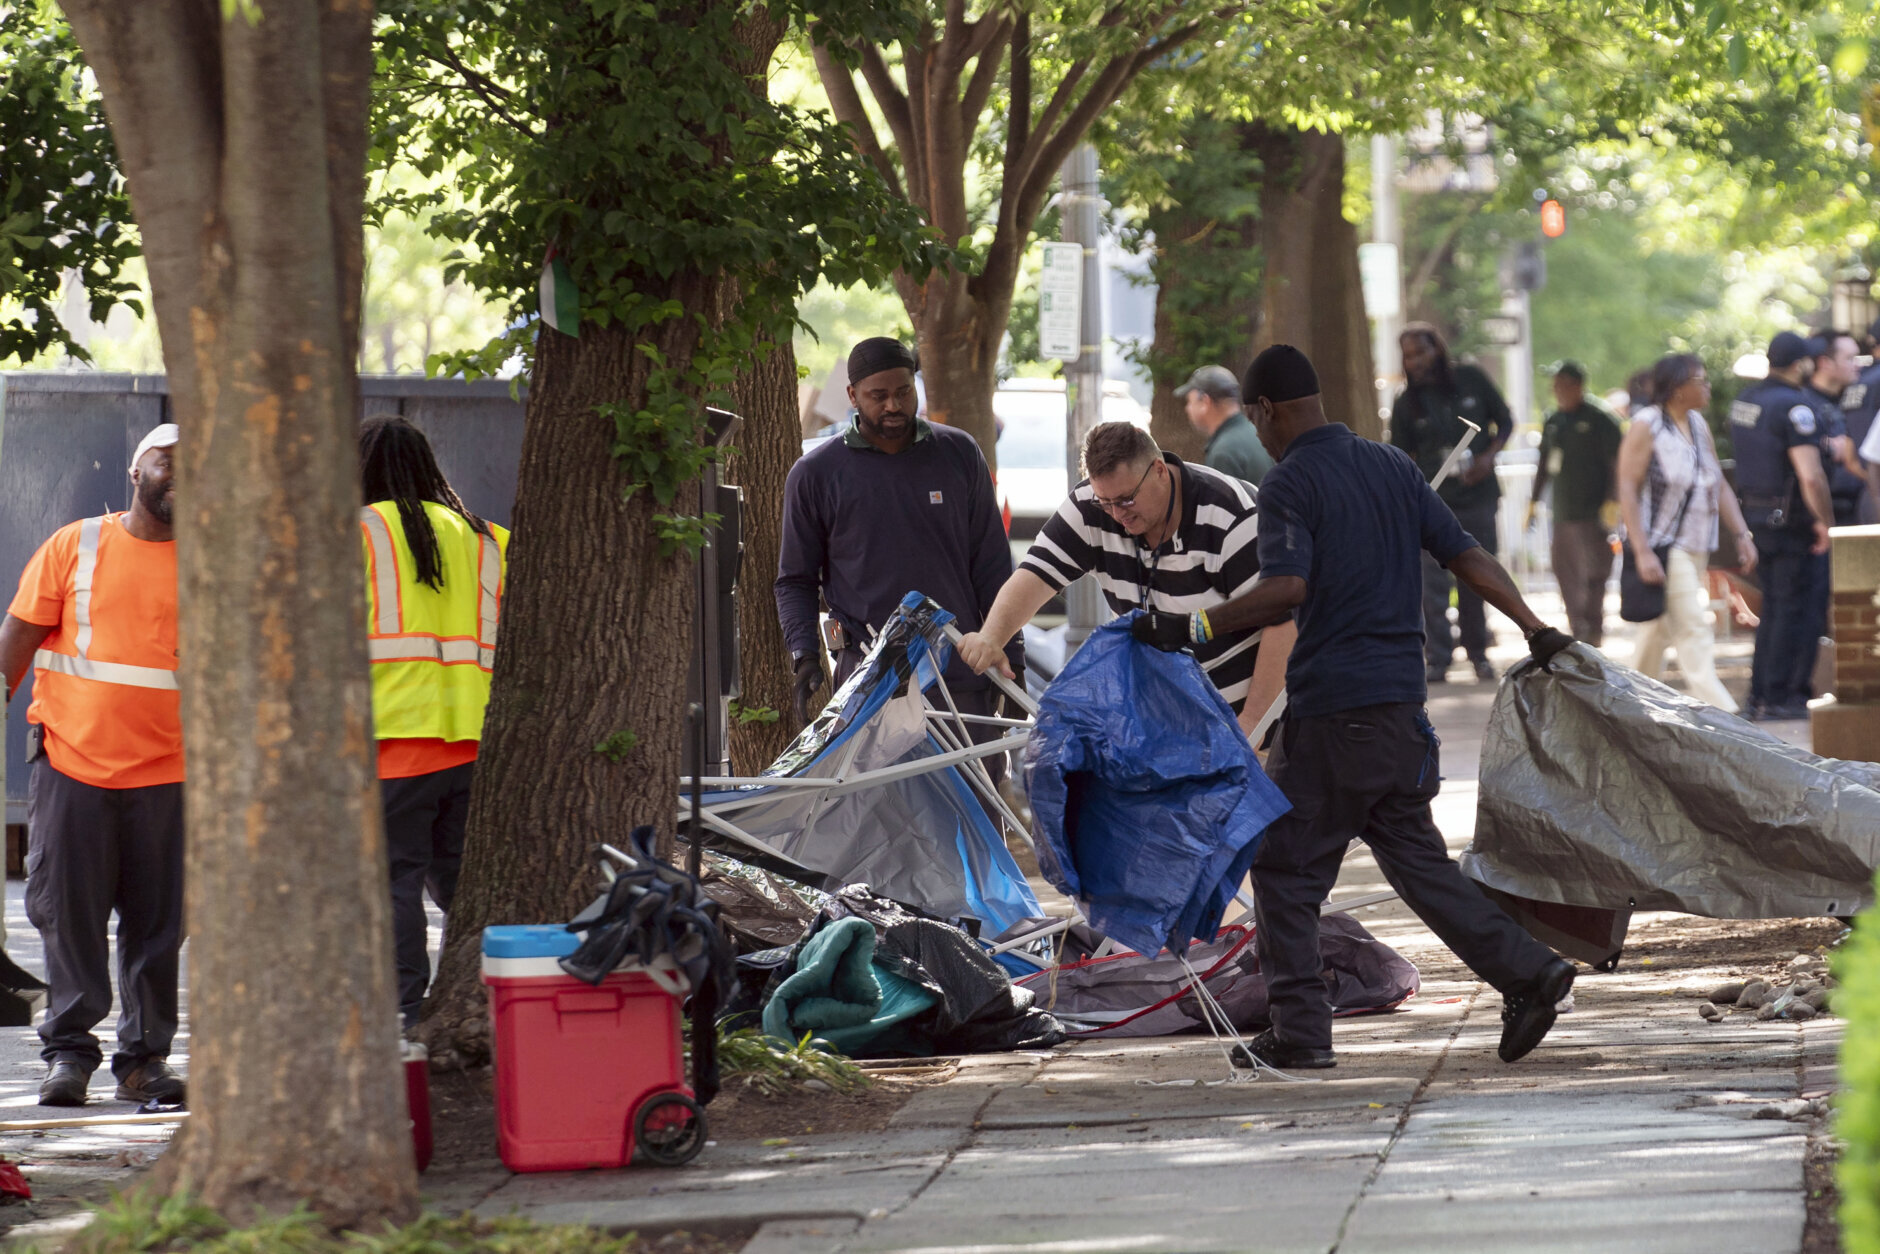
(1546, 642)
(1167, 632)
(809, 677)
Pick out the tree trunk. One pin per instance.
(1208, 269)
(1313, 300)
(767, 448)
(959, 336)
(596, 636)
(244, 145)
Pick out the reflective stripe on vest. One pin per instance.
(84, 666)
(390, 643)
(384, 572)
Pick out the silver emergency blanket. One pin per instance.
(1600, 787)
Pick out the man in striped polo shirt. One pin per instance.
(1159, 534)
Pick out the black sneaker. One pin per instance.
(153, 1081)
(1282, 1055)
(1483, 671)
(65, 1085)
(1527, 1016)
(1436, 674)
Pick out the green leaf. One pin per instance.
(1738, 54)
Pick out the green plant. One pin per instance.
(1857, 1108)
(617, 746)
(747, 714)
(773, 1068)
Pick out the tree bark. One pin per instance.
(770, 444)
(579, 660)
(959, 336)
(244, 145)
(1312, 299)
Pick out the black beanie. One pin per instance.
(879, 354)
(1280, 373)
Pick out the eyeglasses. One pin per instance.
(1124, 502)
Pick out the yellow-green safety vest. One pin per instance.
(432, 649)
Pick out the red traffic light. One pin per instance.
(1553, 219)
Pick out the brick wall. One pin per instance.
(1850, 727)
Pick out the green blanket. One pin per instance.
(838, 995)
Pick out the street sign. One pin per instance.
(1060, 302)
(1378, 272)
(1502, 330)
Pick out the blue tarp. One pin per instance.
(1148, 801)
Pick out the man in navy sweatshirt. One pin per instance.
(893, 505)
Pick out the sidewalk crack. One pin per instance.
(1403, 1120)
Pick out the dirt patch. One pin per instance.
(1737, 947)
(743, 1113)
(463, 1116)
(1822, 1233)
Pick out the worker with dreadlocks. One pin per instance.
(434, 590)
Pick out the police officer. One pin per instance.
(1344, 520)
(1858, 404)
(1836, 371)
(1426, 422)
(1784, 488)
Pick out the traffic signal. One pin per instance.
(1553, 219)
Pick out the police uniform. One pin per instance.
(1767, 420)
(1858, 404)
(1844, 486)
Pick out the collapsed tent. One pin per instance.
(1600, 787)
(1128, 994)
(1148, 801)
(883, 788)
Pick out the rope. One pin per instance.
(1234, 1049)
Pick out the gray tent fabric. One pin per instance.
(1600, 787)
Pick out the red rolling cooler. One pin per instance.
(585, 1075)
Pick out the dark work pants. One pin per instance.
(1783, 666)
(94, 850)
(1367, 773)
(424, 826)
(1582, 554)
(1439, 640)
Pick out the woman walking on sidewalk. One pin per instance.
(1672, 493)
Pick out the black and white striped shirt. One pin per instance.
(1212, 558)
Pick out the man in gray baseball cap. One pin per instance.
(1212, 398)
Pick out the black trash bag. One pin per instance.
(979, 1010)
(654, 910)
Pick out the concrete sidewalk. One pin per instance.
(1636, 1126)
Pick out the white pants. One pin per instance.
(1684, 626)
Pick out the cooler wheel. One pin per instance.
(669, 1129)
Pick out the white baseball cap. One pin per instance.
(163, 435)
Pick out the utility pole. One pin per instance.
(1079, 206)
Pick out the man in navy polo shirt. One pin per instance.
(893, 505)
(1344, 524)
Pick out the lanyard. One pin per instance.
(1155, 554)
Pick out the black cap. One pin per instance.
(873, 356)
(1280, 374)
(1569, 368)
(1786, 349)
(1215, 381)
